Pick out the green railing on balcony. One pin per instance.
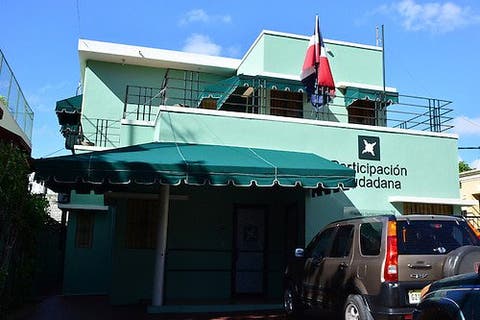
(12, 94)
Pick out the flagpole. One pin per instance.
(384, 98)
(317, 63)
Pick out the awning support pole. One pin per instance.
(162, 227)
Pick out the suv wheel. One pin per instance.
(293, 308)
(356, 309)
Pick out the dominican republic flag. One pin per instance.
(316, 66)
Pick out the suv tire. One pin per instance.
(356, 309)
(461, 260)
(293, 307)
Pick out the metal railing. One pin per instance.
(11, 94)
(258, 95)
(101, 132)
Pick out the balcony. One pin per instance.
(356, 104)
(266, 96)
(16, 114)
(98, 132)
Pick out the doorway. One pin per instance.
(249, 243)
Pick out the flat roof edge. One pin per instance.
(92, 48)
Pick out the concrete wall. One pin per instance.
(410, 160)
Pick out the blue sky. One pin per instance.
(432, 47)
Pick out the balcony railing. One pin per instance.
(101, 132)
(282, 97)
(14, 98)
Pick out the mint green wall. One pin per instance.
(87, 270)
(104, 95)
(86, 199)
(422, 156)
(281, 54)
(253, 62)
(285, 55)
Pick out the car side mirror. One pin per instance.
(299, 253)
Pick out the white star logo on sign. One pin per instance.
(369, 147)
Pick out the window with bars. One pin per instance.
(427, 208)
(286, 103)
(142, 220)
(84, 229)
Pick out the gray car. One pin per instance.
(375, 267)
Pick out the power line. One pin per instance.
(470, 121)
(52, 153)
(468, 148)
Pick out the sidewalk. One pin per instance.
(98, 307)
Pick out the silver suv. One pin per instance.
(375, 267)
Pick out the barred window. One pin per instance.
(427, 208)
(84, 229)
(142, 220)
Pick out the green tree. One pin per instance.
(463, 166)
(22, 216)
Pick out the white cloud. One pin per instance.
(465, 126)
(200, 15)
(199, 43)
(436, 17)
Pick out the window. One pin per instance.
(243, 99)
(286, 103)
(142, 219)
(433, 237)
(209, 103)
(320, 246)
(84, 229)
(427, 208)
(362, 112)
(343, 242)
(370, 238)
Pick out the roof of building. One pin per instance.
(161, 58)
(151, 57)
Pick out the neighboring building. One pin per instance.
(39, 188)
(470, 190)
(224, 244)
(16, 116)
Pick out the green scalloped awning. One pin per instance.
(223, 89)
(353, 94)
(70, 105)
(194, 164)
(69, 110)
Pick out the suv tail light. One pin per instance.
(390, 272)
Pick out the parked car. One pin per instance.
(452, 298)
(375, 267)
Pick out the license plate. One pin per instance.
(414, 296)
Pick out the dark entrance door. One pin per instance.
(249, 251)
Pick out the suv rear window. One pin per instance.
(433, 237)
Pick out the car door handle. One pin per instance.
(317, 261)
(419, 266)
(343, 265)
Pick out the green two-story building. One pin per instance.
(194, 177)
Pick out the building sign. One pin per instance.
(369, 148)
(369, 173)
